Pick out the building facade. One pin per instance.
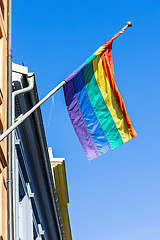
(60, 182)
(36, 205)
(3, 118)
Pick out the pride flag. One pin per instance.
(95, 106)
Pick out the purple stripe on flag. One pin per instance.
(74, 73)
(67, 79)
(78, 121)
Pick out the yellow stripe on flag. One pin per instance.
(109, 99)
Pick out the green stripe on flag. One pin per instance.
(103, 114)
(90, 59)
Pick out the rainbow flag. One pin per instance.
(95, 106)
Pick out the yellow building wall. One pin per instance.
(63, 200)
(60, 182)
(3, 119)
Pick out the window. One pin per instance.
(1, 66)
(2, 7)
(1, 61)
(1, 80)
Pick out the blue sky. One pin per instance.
(116, 196)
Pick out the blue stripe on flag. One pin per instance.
(89, 116)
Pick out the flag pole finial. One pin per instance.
(128, 24)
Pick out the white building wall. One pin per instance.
(25, 219)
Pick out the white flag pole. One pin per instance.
(27, 114)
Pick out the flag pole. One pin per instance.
(27, 114)
(21, 118)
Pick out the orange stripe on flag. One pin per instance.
(109, 71)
